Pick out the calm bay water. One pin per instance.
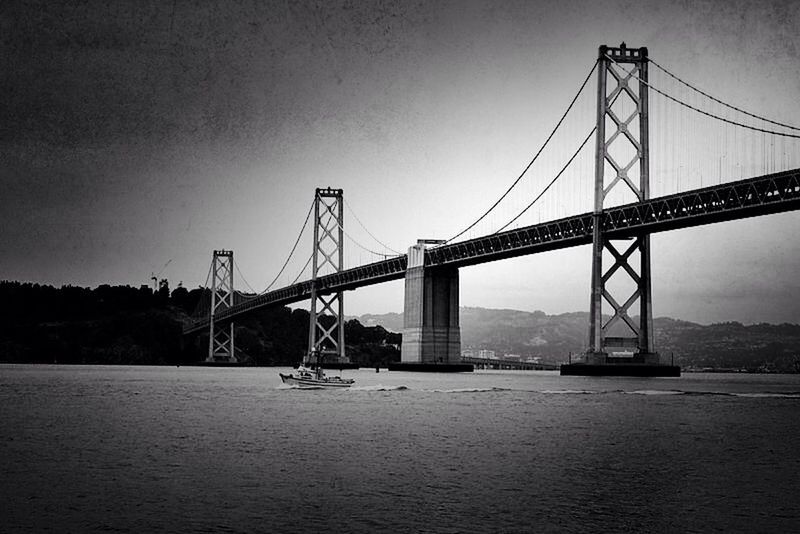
(193, 449)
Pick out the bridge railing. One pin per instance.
(747, 198)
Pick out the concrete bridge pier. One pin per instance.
(431, 331)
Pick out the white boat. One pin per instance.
(314, 378)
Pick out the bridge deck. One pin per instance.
(762, 195)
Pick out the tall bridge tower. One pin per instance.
(325, 335)
(621, 169)
(220, 340)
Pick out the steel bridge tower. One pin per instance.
(621, 168)
(220, 341)
(325, 336)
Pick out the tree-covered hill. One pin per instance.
(127, 325)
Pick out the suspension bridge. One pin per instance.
(667, 155)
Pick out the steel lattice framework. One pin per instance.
(328, 251)
(623, 142)
(220, 340)
(762, 195)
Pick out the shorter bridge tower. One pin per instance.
(220, 339)
(326, 321)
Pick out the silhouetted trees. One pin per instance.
(370, 346)
(108, 324)
(128, 325)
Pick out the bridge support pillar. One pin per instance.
(431, 332)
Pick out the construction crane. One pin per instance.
(154, 277)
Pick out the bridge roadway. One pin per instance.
(762, 195)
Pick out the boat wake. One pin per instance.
(467, 390)
(675, 392)
(793, 395)
(755, 395)
(644, 392)
(655, 392)
(293, 386)
(378, 387)
(570, 392)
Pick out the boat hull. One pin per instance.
(328, 383)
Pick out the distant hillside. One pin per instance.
(510, 331)
(553, 337)
(390, 321)
(125, 325)
(762, 347)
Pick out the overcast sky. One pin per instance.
(135, 133)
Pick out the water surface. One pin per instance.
(194, 449)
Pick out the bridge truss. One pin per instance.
(762, 195)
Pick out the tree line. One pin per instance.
(129, 325)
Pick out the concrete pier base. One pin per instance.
(432, 367)
(431, 331)
(602, 364)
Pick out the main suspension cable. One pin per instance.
(236, 266)
(294, 247)
(564, 168)
(302, 270)
(208, 276)
(197, 307)
(552, 133)
(365, 249)
(698, 110)
(740, 110)
(350, 210)
(359, 245)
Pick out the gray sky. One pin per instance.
(133, 133)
